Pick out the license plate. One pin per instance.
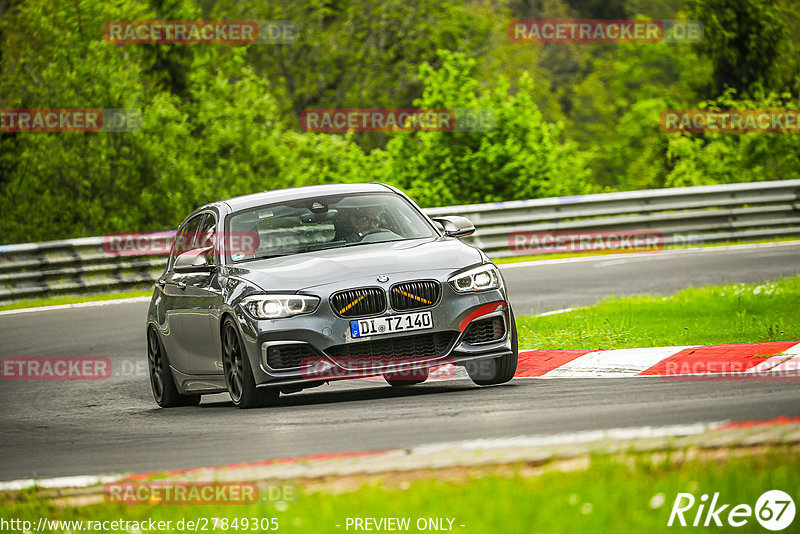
(391, 324)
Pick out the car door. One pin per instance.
(173, 290)
(189, 302)
(203, 300)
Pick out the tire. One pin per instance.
(238, 373)
(399, 380)
(497, 370)
(165, 392)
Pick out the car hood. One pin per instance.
(310, 269)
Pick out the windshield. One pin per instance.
(324, 222)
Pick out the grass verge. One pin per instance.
(711, 315)
(630, 493)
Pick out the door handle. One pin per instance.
(181, 285)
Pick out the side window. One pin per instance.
(206, 237)
(186, 236)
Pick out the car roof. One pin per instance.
(297, 193)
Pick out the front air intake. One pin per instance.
(415, 295)
(485, 330)
(398, 349)
(361, 302)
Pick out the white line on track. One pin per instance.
(648, 255)
(80, 481)
(571, 438)
(591, 436)
(554, 312)
(91, 304)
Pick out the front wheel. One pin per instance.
(238, 373)
(163, 385)
(497, 370)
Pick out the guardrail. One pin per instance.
(684, 216)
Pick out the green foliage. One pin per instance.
(616, 109)
(719, 158)
(743, 38)
(360, 53)
(222, 137)
(56, 185)
(521, 157)
(222, 120)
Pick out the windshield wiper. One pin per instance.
(325, 246)
(376, 242)
(276, 255)
(316, 247)
(309, 248)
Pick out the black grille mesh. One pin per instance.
(289, 356)
(485, 330)
(359, 302)
(430, 345)
(413, 295)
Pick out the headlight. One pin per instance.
(278, 306)
(478, 279)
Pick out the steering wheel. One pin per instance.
(381, 234)
(372, 231)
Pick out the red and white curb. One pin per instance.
(780, 359)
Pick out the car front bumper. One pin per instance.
(327, 335)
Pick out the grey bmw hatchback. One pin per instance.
(284, 290)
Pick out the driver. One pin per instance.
(361, 222)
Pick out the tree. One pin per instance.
(360, 53)
(743, 39)
(522, 157)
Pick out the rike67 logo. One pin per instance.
(774, 510)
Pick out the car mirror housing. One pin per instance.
(455, 226)
(195, 260)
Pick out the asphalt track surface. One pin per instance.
(55, 428)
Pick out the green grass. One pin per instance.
(625, 494)
(73, 299)
(735, 313)
(560, 255)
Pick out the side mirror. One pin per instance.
(455, 226)
(194, 261)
